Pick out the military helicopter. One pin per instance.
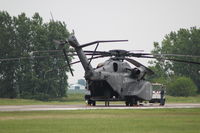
(114, 79)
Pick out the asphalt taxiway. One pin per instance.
(84, 107)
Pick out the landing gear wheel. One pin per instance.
(93, 103)
(88, 102)
(127, 103)
(131, 101)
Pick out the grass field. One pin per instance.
(102, 121)
(195, 99)
(79, 99)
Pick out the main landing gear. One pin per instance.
(131, 101)
(91, 102)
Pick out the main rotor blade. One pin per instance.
(131, 54)
(33, 57)
(28, 58)
(137, 64)
(51, 51)
(170, 59)
(46, 51)
(93, 53)
(80, 61)
(98, 52)
(176, 55)
(96, 57)
(101, 41)
(68, 63)
(162, 55)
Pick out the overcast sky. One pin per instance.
(142, 22)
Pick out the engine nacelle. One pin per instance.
(138, 72)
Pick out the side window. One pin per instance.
(115, 67)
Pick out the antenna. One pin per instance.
(73, 32)
(52, 16)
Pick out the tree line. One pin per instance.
(26, 71)
(30, 67)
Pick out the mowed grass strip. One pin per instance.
(190, 99)
(102, 121)
(71, 99)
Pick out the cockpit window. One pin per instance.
(115, 67)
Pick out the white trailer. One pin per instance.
(158, 94)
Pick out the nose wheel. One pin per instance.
(91, 103)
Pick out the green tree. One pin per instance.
(7, 50)
(160, 75)
(181, 86)
(39, 78)
(184, 41)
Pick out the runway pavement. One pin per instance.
(84, 107)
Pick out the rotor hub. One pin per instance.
(118, 53)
